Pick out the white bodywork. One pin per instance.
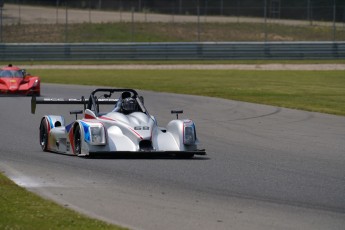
(123, 133)
(116, 131)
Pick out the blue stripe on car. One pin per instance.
(68, 127)
(50, 122)
(86, 131)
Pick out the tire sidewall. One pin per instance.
(43, 135)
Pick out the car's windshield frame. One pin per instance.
(11, 74)
(93, 99)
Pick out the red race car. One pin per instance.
(15, 81)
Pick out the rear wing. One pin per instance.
(68, 101)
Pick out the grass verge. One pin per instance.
(21, 209)
(167, 32)
(172, 62)
(319, 91)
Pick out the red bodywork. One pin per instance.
(14, 81)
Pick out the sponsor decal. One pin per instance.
(138, 135)
(107, 99)
(73, 99)
(53, 99)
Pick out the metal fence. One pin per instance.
(232, 20)
(173, 51)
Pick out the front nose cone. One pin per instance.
(13, 87)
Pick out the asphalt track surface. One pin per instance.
(266, 168)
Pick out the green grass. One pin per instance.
(21, 209)
(171, 62)
(320, 91)
(167, 32)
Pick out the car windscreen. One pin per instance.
(10, 73)
(116, 96)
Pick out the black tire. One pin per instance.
(77, 141)
(43, 135)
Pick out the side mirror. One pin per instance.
(141, 98)
(177, 112)
(23, 72)
(76, 112)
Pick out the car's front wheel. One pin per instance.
(44, 135)
(77, 141)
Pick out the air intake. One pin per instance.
(145, 145)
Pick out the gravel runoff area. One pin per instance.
(311, 67)
(23, 14)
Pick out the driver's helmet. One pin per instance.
(129, 105)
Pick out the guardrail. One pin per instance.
(172, 51)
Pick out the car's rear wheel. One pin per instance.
(44, 135)
(77, 141)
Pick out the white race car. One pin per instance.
(127, 128)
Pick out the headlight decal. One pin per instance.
(189, 136)
(94, 133)
(97, 134)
